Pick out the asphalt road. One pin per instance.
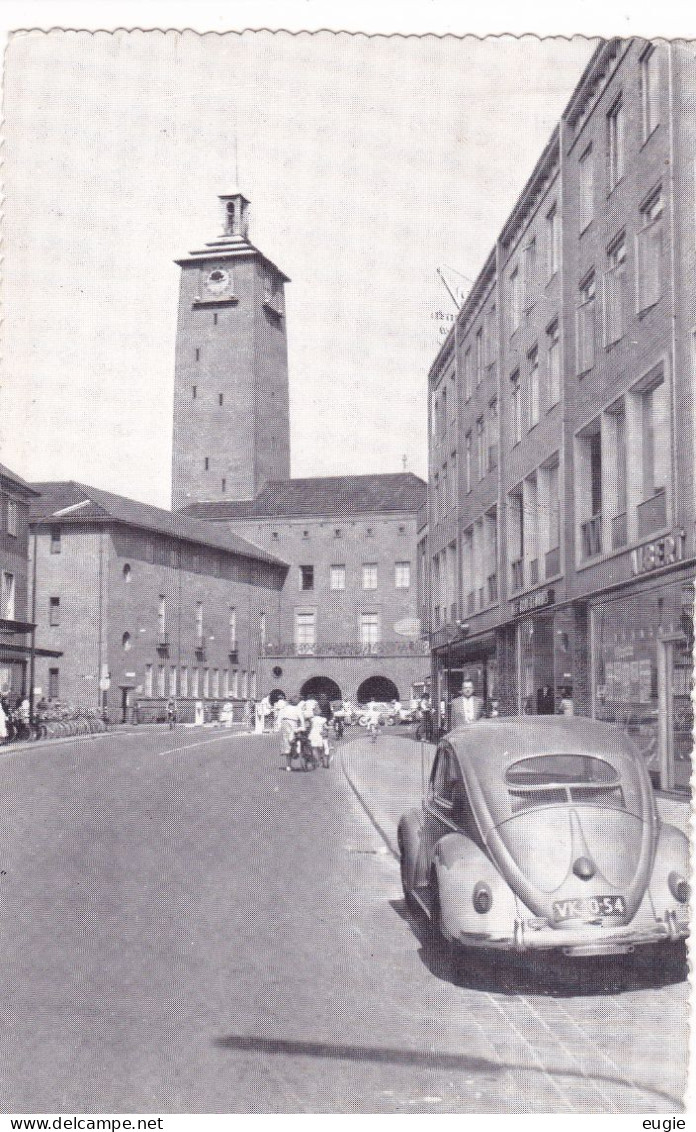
(185, 927)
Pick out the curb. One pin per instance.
(393, 849)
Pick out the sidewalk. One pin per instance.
(387, 777)
(113, 729)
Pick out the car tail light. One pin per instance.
(483, 898)
(679, 887)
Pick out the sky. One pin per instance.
(369, 163)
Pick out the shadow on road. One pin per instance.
(552, 975)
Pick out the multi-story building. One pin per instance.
(348, 623)
(144, 604)
(561, 566)
(17, 642)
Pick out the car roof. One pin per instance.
(486, 749)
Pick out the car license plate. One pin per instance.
(586, 906)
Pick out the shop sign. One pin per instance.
(531, 602)
(653, 555)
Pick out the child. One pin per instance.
(318, 740)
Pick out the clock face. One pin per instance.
(217, 282)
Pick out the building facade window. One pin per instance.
(305, 631)
(514, 300)
(402, 575)
(533, 386)
(480, 449)
(233, 627)
(479, 356)
(650, 452)
(161, 618)
(126, 642)
(493, 434)
(615, 308)
(12, 513)
(337, 577)
(55, 540)
(650, 90)
(586, 190)
(54, 683)
(616, 143)
(262, 629)
(306, 578)
(586, 324)
(553, 241)
(467, 463)
(54, 611)
(553, 363)
(468, 367)
(369, 630)
(454, 484)
(649, 247)
(530, 274)
(516, 407)
(369, 576)
(8, 596)
(199, 624)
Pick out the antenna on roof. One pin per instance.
(404, 461)
(458, 287)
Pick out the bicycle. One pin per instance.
(372, 726)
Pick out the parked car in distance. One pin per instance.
(542, 833)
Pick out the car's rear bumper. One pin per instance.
(590, 940)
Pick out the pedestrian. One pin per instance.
(290, 720)
(545, 700)
(466, 708)
(171, 713)
(226, 714)
(198, 714)
(318, 736)
(426, 712)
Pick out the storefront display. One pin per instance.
(546, 645)
(642, 675)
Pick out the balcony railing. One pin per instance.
(402, 647)
(619, 531)
(534, 572)
(552, 562)
(492, 581)
(652, 514)
(591, 535)
(517, 574)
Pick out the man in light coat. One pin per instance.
(466, 708)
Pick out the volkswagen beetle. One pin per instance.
(543, 833)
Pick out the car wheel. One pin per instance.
(411, 902)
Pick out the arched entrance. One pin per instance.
(320, 687)
(377, 688)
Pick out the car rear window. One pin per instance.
(545, 780)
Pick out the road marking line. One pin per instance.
(190, 746)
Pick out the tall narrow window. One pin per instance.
(402, 575)
(55, 540)
(220, 398)
(516, 407)
(233, 627)
(479, 356)
(12, 517)
(586, 324)
(649, 246)
(369, 630)
(305, 632)
(194, 392)
(206, 463)
(514, 299)
(369, 576)
(533, 386)
(530, 273)
(586, 190)
(54, 611)
(53, 683)
(616, 143)
(480, 449)
(467, 374)
(553, 240)
(467, 462)
(553, 362)
(338, 577)
(306, 577)
(493, 434)
(615, 291)
(162, 618)
(8, 596)
(262, 629)
(199, 624)
(650, 90)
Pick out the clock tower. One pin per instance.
(231, 404)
